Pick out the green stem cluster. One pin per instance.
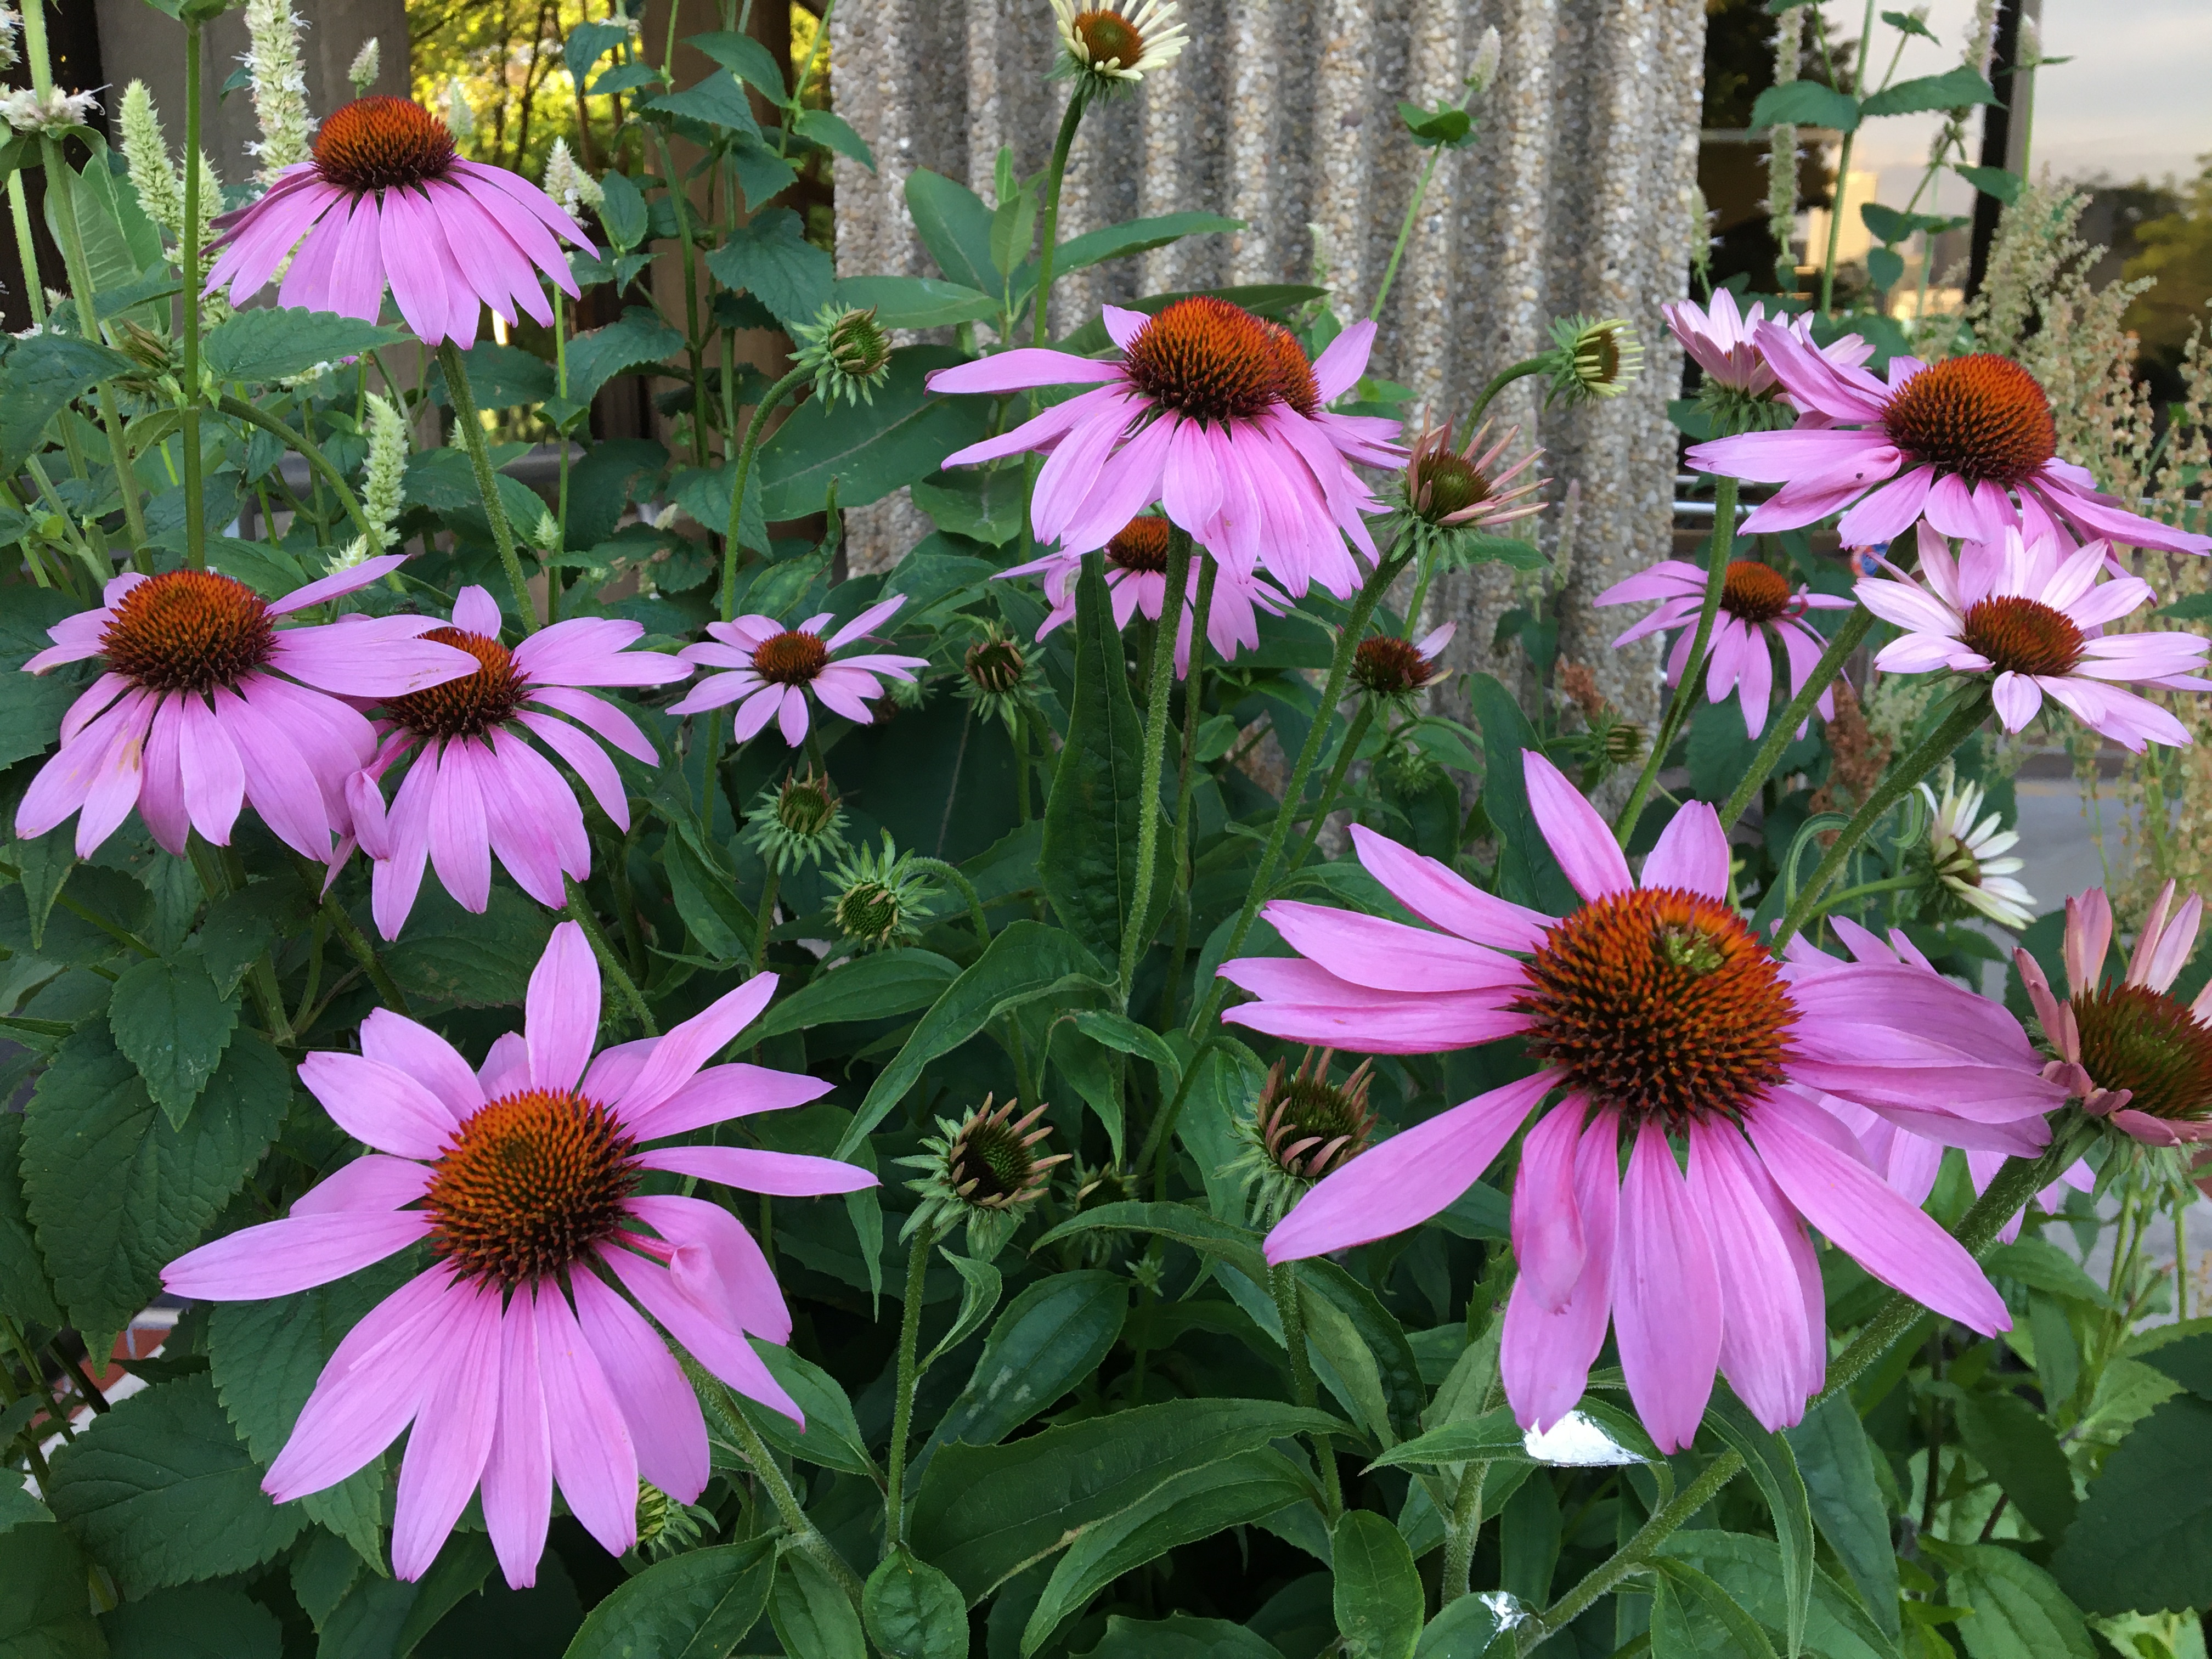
(1158, 695)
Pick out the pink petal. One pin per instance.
(460, 840)
(207, 763)
(666, 1425)
(718, 1094)
(395, 1041)
(1577, 836)
(1667, 1295)
(1546, 1358)
(1443, 898)
(296, 1253)
(1691, 854)
(1020, 369)
(586, 759)
(1547, 1231)
(782, 1175)
(720, 1349)
(1388, 955)
(593, 1457)
(371, 1184)
(560, 1014)
(379, 1104)
(369, 1391)
(680, 1055)
(518, 1476)
(718, 1264)
(1766, 1345)
(452, 1441)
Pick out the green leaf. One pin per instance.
(1377, 1589)
(880, 986)
(1958, 89)
(1238, 1246)
(269, 344)
(955, 226)
(2010, 1439)
(1051, 1336)
(1749, 1569)
(1884, 268)
(874, 449)
(1465, 1627)
(45, 1603)
(636, 339)
(239, 926)
(1195, 1503)
(913, 1610)
(448, 955)
(119, 240)
(695, 1606)
(627, 221)
(1774, 1468)
(1492, 1438)
(379, 1617)
(811, 1613)
(161, 1491)
(625, 77)
(1694, 1618)
(266, 1357)
(982, 1514)
(1442, 127)
(1526, 871)
(708, 901)
(1013, 230)
(1026, 961)
(985, 504)
(1123, 1035)
(25, 1294)
(916, 301)
(1093, 817)
(769, 257)
(2019, 1612)
(1329, 1289)
(194, 1622)
(586, 43)
(761, 173)
(981, 1287)
(500, 376)
(39, 378)
(1838, 1466)
(1805, 104)
(2142, 1541)
(2041, 1265)
(716, 102)
(1137, 236)
(834, 131)
(831, 1439)
(747, 59)
(1908, 23)
(1992, 181)
(167, 1015)
(1181, 1636)
(115, 1190)
(2194, 607)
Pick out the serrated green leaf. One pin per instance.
(586, 43)
(811, 1612)
(716, 102)
(1805, 104)
(1838, 1466)
(162, 1491)
(1992, 181)
(45, 1603)
(913, 1610)
(695, 1606)
(24, 1294)
(1050, 1337)
(239, 926)
(448, 955)
(379, 1618)
(194, 1622)
(1958, 88)
(2018, 1611)
(834, 131)
(39, 379)
(1377, 1589)
(269, 343)
(2141, 1540)
(624, 216)
(983, 504)
(769, 257)
(747, 59)
(117, 1192)
(167, 1015)
(636, 339)
(2041, 1265)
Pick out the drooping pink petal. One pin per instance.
(518, 1476)
(1548, 1228)
(1545, 1357)
(1667, 1295)
(1388, 955)
(373, 1182)
(666, 1427)
(781, 1175)
(593, 1457)
(278, 1258)
(452, 1440)
(722, 1351)
(718, 1264)
(1691, 854)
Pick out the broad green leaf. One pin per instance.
(2041, 1265)
(1381, 1338)
(1526, 871)
(2010, 1439)
(898, 437)
(448, 955)
(194, 1622)
(115, 1190)
(880, 986)
(31, 710)
(747, 59)
(1051, 1336)
(1093, 817)
(121, 243)
(1774, 1468)
(39, 378)
(1191, 1505)
(586, 43)
(1694, 1618)
(324, 1568)
(984, 1513)
(834, 131)
(983, 504)
(45, 1602)
(162, 1491)
(1377, 1589)
(266, 1357)
(1139, 235)
(1442, 126)
(695, 1606)
(2018, 1611)
(443, 480)
(1749, 1569)
(1958, 88)
(1120, 1032)
(981, 1287)
(381, 1617)
(716, 102)
(913, 1610)
(1492, 1438)
(1463, 1629)
(1805, 104)
(761, 173)
(269, 344)
(831, 1438)
(499, 376)
(1180, 1635)
(636, 339)
(1992, 181)
(1838, 1466)
(811, 1613)
(167, 1015)
(707, 900)
(1013, 230)
(2142, 1541)
(1027, 961)
(24, 1294)
(916, 301)
(627, 222)
(239, 926)
(769, 257)
(955, 226)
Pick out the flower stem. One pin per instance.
(1048, 231)
(768, 406)
(917, 1265)
(365, 954)
(692, 341)
(1521, 370)
(26, 255)
(610, 964)
(1800, 710)
(1405, 232)
(188, 252)
(1323, 807)
(464, 414)
(952, 874)
(788, 1509)
(1284, 1280)
(1161, 693)
(318, 463)
(1678, 708)
(1900, 778)
(1459, 1536)
(1193, 710)
(1339, 669)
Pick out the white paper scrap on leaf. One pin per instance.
(1576, 1442)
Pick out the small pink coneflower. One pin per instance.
(775, 669)
(385, 199)
(206, 704)
(1656, 1013)
(1215, 415)
(475, 785)
(517, 1358)
(1740, 385)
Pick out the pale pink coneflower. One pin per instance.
(475, 785)
(206, 704)
(1741, 388)
(2034, 617)
(1955, 440)
(1215, 415)
(1757, 607)
(775, 669)
(385, 199)
(1137, 582)
(1654, 1011)
(517, 1356)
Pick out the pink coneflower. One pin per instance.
(2033, 617)
(516, 1356)
(1137, 580)
(2137, 1055)
(778, 668)
(386, 199)
(1656, 1012)
(1740, 388)
(1215, 415)
(1956, 437)
(206, 704)
(1394, 670)
(1757, 607)
(476, 786)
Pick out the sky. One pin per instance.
(2132, 104)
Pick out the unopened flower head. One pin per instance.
(1397, 671)
(848, 351)
(567, 182)
(1592, 359)
(882, 900)
(986, 1171)
(1112, 50)
(362, 71)
(997, 677)
(57, 112)
(278, 77)
(385, 491)
(797, 823)
(1451, 502)
(1302, 1128)
(1740, 390)
(1965, 869)
(666, 1526)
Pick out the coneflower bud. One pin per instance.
(998, 677)
(1591, 359)
(385, 491)
(666, 1526)
(1302, 1128)
(849, 352)
(986, 1171)
(362, 70)
(881, 898)
(798, 821)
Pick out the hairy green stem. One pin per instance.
(770, 401)
(1504, 378)
(1405, 232)
(952, 874)
(1779, 734)
(1345, 752)
(188, 254)
(1161, 693)
(1055, 173)
(917, 1266)
(1459, 1536)
(27, 250)
(579, 912)
(1283, 1279)
(365, 954)
(1678, 708)
(1193, 710)
(788, 1509)
(692, 345)
(465, 416)
(769, 883)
